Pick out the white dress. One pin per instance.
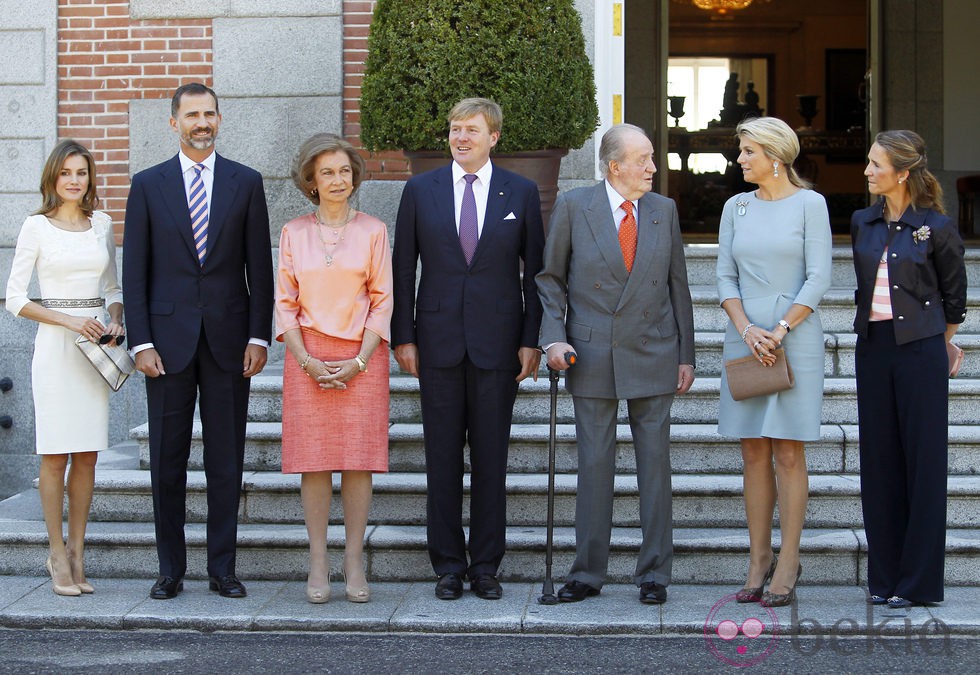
(71, 400)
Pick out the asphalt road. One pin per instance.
(49, 651)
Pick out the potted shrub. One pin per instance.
(527, 55)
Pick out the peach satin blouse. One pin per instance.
(340, 299)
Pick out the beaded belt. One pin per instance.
(72, 303)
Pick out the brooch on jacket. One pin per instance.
(922, 234)
(741, 204)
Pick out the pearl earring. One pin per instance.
(775, 169)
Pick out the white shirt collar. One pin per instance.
(186, 162)
(483, 173)
(616, 200)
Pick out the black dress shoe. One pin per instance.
(228, 586)
(487, 587)
(652, 593)
(576, 591)
(166, 588)
(449, 586)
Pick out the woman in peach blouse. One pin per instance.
(333, 310)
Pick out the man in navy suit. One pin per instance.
(197, 268)
(469, 333)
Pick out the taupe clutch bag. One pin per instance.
(111, 360)
(748, 378)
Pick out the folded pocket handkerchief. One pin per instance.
(510, 216)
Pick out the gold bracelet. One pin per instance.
(361, 363)
(306, 362)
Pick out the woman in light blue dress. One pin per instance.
(774, 265)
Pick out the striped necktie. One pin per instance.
(198, 204)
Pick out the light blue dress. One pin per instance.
(771, 255)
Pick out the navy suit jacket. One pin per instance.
(169, 296)
(927, 276)
(486, 310)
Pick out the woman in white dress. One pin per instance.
(70, 245)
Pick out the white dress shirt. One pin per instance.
(481, 192)
(616, 203)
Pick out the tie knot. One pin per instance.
(199, 168)
(628, 207)
(470, 177)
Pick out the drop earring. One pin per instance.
(775, 169)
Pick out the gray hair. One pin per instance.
(612, 148)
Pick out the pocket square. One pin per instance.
(510, 216)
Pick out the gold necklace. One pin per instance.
(338, 231)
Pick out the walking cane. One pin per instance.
(548, 589)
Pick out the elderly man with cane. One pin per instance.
(614, 290)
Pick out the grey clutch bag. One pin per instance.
(111, 360)
(748, 378)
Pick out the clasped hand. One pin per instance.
(762, 343)
(333, 374)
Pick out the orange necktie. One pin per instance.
(627, 235)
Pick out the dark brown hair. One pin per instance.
(193, 89)
(305, 161)
(52, 169)
(907, 152)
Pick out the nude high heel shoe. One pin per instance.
(361, 594)
(78, 572)
(59, 589)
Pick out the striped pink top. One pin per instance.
(881, 302)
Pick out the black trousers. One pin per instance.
(466, 405)
(903, 403)
(170, 402)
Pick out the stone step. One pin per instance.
(398, 553)
(399, 499)
(836, 310)
(698, 406)
(695, 448)
(702, 261)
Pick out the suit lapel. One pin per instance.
(222, 195)
(175, 197)
(648, 231)
(443, 202)
(600, 219)
(498, 196)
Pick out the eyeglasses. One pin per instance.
(109, 339)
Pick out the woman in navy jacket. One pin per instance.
(911, 298)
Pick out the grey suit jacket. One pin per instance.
(631, 331)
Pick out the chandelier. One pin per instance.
(718, 6)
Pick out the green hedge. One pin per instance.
(527, 55)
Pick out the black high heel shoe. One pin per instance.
(755, 594)
(770, 599)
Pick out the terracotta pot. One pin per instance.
(540, 166)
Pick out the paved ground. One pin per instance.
(83, 651)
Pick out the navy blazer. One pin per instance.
(486, 310)
(926, 274)
(168, 294)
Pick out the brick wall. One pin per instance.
(357, 25)
(105, 59)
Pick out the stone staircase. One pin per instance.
(710, 539)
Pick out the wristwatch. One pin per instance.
(785, 324)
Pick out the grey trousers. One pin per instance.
(595, 426)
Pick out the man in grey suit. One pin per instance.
(614, 290)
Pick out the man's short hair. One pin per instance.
(612, 148)
(469, 107)
(194, 89)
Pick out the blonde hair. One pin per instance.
(778, 141)
(52, 169)
(305, 162)
(906, 151)
(469, 107)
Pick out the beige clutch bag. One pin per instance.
(955, 355)
(112, 361)
(748, 378)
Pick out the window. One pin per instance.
(701, 81)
